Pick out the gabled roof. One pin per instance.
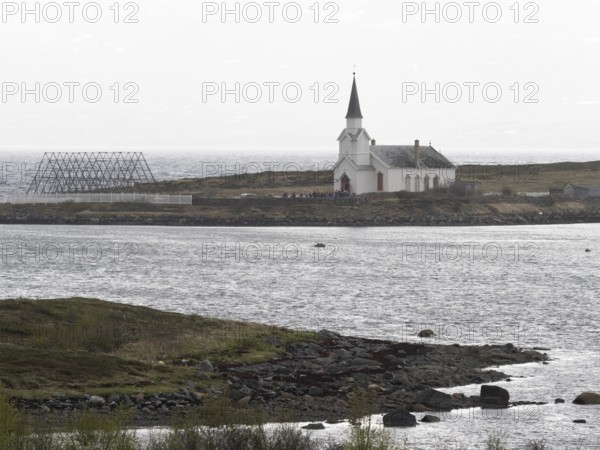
(584, 186)
(354, 136)
(354, 111)
(401, 156)
(356, 166)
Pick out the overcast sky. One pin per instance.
(180, 51)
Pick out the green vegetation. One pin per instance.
(530, 177)
(82, 346)
(520, 178)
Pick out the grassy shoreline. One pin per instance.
(62, 356)
(82, 349)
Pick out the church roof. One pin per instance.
(401, 156)
(354, 111)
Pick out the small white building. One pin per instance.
(365, 167)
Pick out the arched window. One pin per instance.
(418, 184)
(436, 182)
(345, 183)
(408, 183)
(427, 187)
(379, 182)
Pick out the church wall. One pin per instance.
(367, 182)
(397, 178)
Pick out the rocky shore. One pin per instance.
(321, 380)
(359, 212)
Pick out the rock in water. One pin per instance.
(587, 398)
(314, 426)
(580, 421)
(431, 419)
(399, 418)
(435, 400)
(320, 246)
(559, 400)
(494, 395)
(426, 334)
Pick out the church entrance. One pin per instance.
(345, 184)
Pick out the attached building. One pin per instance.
(365, 167)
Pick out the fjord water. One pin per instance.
(534, 286)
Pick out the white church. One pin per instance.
(365, 167)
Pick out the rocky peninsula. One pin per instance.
(164, 367)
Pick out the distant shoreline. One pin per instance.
(422, 210)
(220, 202)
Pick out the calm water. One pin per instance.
(532, 286)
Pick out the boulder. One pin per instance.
(417, 407)
(205, 366)
(94, 400)
(431, 419)
(315, 391)
(459, 397)
(426, 334)
(241, 393)
(362, 363)
(314, 426)
(399, 418)
(435, 400)
(587, 398)
(559, 400)
(494, 395)
(326, 335)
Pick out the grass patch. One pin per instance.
(83, 346)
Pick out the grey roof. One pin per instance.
(354, 111)
(586, 186)
(400, 156)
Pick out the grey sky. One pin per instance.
(170, 53)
